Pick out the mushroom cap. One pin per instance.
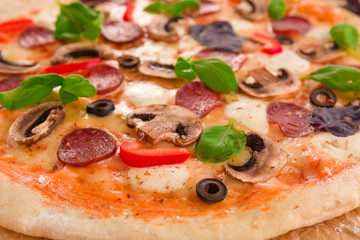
(7, 67)
(162, 122)
(161, 29)
(320, 52)
(266, 85)
(37, 122)
(69, 51)
(253, 10)
(267, 158)
(155, 69)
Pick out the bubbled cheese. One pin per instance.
(160, 179)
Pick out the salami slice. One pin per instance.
(207, 7)
(198, 98)
(86, 145)
(234, 60)
(35, 36)
(291, 24)
(293, 120)
(121, 32)
(10, 83)
(105, 78)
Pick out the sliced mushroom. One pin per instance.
(7, 67)
(266, 85)
(267, 158)
(156, 69)
(161, 122)
(249, 46)
(320, 53)
(253, 10)
(163, 29)
(80, 49)
(37, 122)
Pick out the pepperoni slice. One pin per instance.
(10, 83)
(207, 7)
(291, 24)
(121, 32)
(198, 98)
(293, 120)
(35, 36)
(234, 60)
(105, 78)
(86, 145)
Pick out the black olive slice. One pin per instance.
(284, 40)
(128, 61)
(330, 97)
(211, 190)
(101, 107)
(168, 26)
(83, 53)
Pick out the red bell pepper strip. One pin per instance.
(128, 15)
(4, 37)
(133, 155)
(71, 67)
(15, 25)
(270, 45)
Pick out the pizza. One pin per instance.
(180, 119)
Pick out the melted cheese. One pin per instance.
(46, 18)
(162, 179)
(320, 33)
(143, 94)
(249, 112)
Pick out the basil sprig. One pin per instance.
(77, 21)
(215, 73)
(172, 9)
(277, 9)
(345, 35)
(338, 77)
(219, 143)
(37, 88)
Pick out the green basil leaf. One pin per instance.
(77, 21)
(183, 69)
(338, 77)
(30, 91)
(171, 9)
(345, 35)
(75, 86)
(277, 9)
(216, 74)
(219, 143)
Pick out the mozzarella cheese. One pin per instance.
(143, 94)
(249, 112)
(321, 33)
(161, 179)
(46, 18)
(286, 59)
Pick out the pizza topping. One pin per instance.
(219, 143)
(264, 84)
(128, 61)
(161, 122)
(341, 122)
(290, 24)
(130, 8)
(72, 67)
(105, 78)
(345, 35)
(10, 83)
(320, 53)
(7, 67)
(162, 28)
(267, 158)
(234, 60)
(253, 10)
(171, 9)
(68, 52)
(284, 40)
(218, 35)
(198, 98)
(293, 120)
(323, 97)
(277, 9)
(211, 190)
(37, 122)
(156, 69)
(121, 32)
(86, 145)
(270, 45)
(134, 155)
(101, 107)
(207, 7)
(35, 36)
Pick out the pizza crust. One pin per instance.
(24, 210)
